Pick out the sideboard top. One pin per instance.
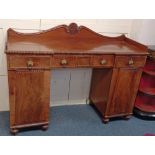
(72, 39)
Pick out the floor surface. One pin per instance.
(82, 120)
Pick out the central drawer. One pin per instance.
(59, 61)
(103, 61)
(83, 61)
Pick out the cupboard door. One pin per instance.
(126, 88)
(29, 96)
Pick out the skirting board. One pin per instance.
(68, 102)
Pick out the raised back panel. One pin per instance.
(71, 39)
(73, 31)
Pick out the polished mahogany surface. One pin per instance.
(117, 64)
(71, 39)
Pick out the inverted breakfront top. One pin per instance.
(71, 39)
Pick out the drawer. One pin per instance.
(22, 61)
(103, 60)
(83, 61)
(63, 61)
(130, 61)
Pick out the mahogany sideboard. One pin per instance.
(117, 64)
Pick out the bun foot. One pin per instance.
(105, 120)
(44, 127)
(14, 131)
(127, 117)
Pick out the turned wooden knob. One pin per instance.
(103, 62)
(131, 62)
(30, 64)
(63, 62)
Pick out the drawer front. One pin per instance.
(103, 60)
(83, 61)
(29, 62)
(130, 61)
(63, 61)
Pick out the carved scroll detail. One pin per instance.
(73, 28)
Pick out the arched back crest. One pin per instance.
(62, 31)
(70, 39)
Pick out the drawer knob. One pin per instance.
(103, 62)
(64, 62)
(131, 62)
(30, 64)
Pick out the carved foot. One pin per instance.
(127, 117)
(44, 127)
(105, 120)
(14, 131)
